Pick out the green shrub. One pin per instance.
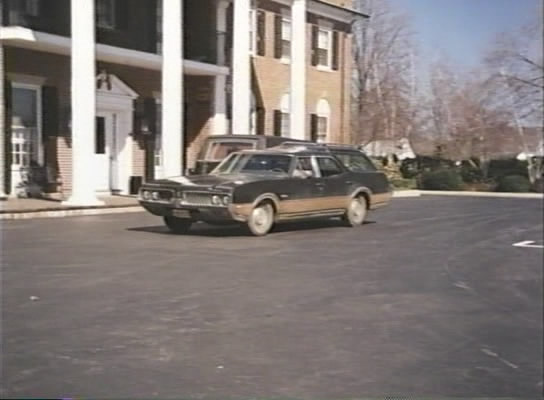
(404, 183)
(505, 167)
(538, 186)
(409, 168)
(443, 179)
(471, 173)
(514, 183)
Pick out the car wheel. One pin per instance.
(356, 211)
(261, 219)
(178, 225)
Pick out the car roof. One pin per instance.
(289, 151)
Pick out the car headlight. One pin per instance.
(155, 196)
(225, 200)
(146, 195)
(216, 200)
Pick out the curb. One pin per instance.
(483, 194)
(69, 212)
(407, 193)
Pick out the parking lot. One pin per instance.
(429, 298)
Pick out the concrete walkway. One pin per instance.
(15, 208)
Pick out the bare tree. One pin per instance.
(515, 65)
(385, 87)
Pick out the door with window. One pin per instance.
(26, 147)
(332, 181)
(105, 153)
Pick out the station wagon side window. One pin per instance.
(304, 168)
(328, 167)
(356, 162)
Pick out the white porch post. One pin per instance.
(298, 70)
(241, 77)
(83, 86)
(172, 88)
(220, 96)
(2, 127)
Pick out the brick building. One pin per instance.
(100, 95)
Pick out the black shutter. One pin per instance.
(122, 12)
(277, 123)
(277, 36)
(335, 47)
(50, 112)
(261, 114)
(315, 35)
(7, 136)
(313, 127)
(261, 33)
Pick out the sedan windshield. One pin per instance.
(254, 163)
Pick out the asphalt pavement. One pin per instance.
(430, 298)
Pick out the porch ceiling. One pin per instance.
(40, 41)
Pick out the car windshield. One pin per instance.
(254, 163)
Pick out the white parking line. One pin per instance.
(528, 243)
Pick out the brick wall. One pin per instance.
(273, 77)
(56, 71)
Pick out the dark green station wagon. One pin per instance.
(259, 188)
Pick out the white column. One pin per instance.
(220, 96)
(298, 70)
(172, 88)
(83, 86)
(2, 127)
(241, 72)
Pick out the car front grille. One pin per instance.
(197, 199)
(157, 195)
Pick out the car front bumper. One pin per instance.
(232, 212)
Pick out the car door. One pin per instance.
(333, 183)
(299, 192)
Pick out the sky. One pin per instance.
(462, 29)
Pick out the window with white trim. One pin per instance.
(324, 47)
(105, 14)
(285, 38)
(26, 125)
(252, 30)
(323, 121)
(157, 153)
(285, 116)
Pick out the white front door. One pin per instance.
(106, 152)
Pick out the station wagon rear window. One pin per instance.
(217, 150)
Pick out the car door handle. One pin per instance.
(349, 182)
(320, 184)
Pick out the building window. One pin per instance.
(157, 151)
(31, 7)
(321, 122)
(282, 117)
(158, 23)
(324, 52)
(105, 14)
(252, 30)
(322, 129)
(285, 38)
(26, 125)
(285, 116)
